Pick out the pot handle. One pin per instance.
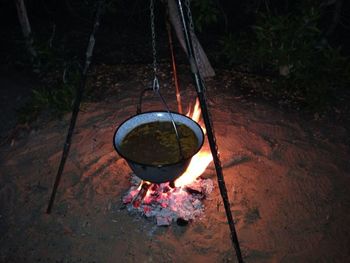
(139, 105)
(139, 110)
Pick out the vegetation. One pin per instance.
(205, 14)
(293, 49)
(292, 42)
(55, 96)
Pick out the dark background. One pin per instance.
(61, 29)
(124, 36)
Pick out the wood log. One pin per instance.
(204, 66)
(136, 202)
(26, 29)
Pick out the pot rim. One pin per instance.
(163, 165)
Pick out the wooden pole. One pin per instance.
(200, 88)
(67, 144)
(26, 29)
(176, 80)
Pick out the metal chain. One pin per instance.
(155, 85)
(189, 15)
(191, 25)
(194, 43)
(201, 93)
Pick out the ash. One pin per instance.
(167, 204)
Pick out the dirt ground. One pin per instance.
(288, 181)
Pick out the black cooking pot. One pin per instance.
(156, 173)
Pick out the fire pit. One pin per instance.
(178, 198)
(166, 203)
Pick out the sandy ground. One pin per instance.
(288, 182)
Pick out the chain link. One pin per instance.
(191, 25)
(213, 144)
(155, 85)
(196, 48)
(189, 15)
(154, 50)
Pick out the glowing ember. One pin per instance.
(166, 204)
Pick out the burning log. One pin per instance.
(136, 202)
(194, 191)
(181, 222)
(172, 184)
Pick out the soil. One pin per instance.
(287, 178)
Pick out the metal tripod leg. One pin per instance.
(200, 88)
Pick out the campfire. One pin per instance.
(179, 201)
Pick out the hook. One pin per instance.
(155, 86)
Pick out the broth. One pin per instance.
(155, 143)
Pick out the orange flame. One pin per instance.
(200, 161)
(196, 114)
(197, 166)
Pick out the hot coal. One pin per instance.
(166, 204)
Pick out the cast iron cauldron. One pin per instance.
(156, 173)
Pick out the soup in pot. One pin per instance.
(156, 143)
